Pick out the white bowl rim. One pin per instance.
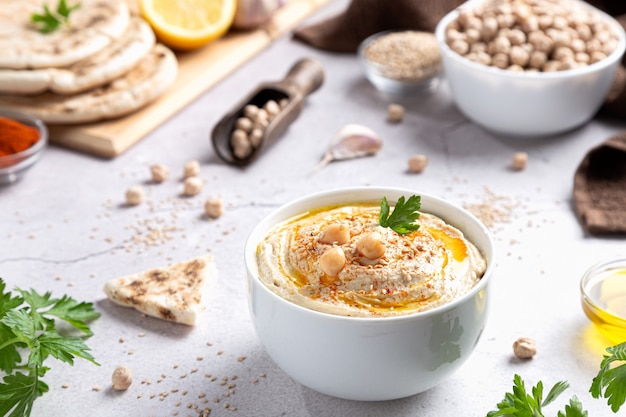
(250, 248)
(596, 66)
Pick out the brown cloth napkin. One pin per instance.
(600, 187)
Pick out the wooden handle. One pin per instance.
(306, 75)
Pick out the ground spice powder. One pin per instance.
(15, 136)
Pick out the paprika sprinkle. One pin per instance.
(15, 136)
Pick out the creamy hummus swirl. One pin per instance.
(418, 271)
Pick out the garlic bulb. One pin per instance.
(251, 14)
(351, 141)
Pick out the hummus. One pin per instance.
(416, 271)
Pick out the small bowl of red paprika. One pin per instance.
(22, 140)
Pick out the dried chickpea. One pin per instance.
(519, 161)
(501, 45)
(524, 348)
(134, 195)
(332, 261)
(214, 207)
(530, 24)
(596, 56)
(551, 66)
(335, 234)
(244, 123)
(191, 169)
(582, 57)
(240, 143)
(460, 46)
(272, 108)
(159, 172)
(122, 378)
(501, 60)
(478, 47)
(250, 111)
(562, 53)
(371, 246)
(256, 136)
(545, 21)
(192, 186)
(516, 37)
(395, 113)
(490, 28)
(537, 59)
(519, 56)
(417, 163)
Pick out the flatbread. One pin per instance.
(114, 60)
(126, 94)
(174, 293)
(94, 25)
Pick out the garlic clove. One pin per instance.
(251, 14)
(351, 141)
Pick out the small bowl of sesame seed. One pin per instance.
(402, 62)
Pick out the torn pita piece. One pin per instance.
(174, 293)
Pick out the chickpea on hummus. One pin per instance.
(339, 260)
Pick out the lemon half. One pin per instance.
(188, 24)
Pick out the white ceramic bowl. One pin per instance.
(527, 104)
(369, 359)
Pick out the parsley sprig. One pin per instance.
(610, 383)
(520, 403)
(611, 378)
(28, 325)
(48, 21)
(405, 213)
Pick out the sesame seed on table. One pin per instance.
(68, 227)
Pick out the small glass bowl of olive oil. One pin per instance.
(603, 290)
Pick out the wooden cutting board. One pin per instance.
(198, 71)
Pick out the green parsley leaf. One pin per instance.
(18, 393)
(75, 313)
(64, 10)
(28, 325)
(405, 213)
(49, 21)
(611, 378)
(574, 409)
(520, 403)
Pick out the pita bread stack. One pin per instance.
(104, 64)
(175, 293)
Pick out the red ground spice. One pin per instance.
(15, 136)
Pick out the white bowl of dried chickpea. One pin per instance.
(529, 68)
(394, 349)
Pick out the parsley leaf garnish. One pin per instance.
(48, 21)
(28, 325)
(611, 379)
(520, 403)
(402, 219)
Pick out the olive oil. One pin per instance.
(605, 303)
